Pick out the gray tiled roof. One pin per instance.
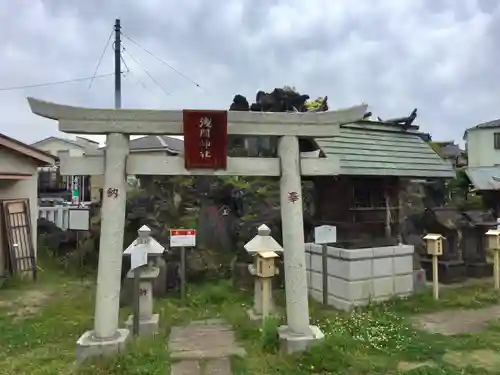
(160, 142)
(153, 143)
(379, 149)
(488, 124)
(483, 125)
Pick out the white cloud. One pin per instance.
(439, 56)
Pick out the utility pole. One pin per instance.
(118, 68)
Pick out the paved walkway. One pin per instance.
(203, 348)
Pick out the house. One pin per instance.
(149, 143)
(483, 151)
(51, 184)
(483, 144)
(19, 180)
(450, 151)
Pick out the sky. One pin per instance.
(435, 55)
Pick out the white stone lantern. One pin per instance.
(265, 250)
(145, 251)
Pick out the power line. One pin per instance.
(137, 79)
(163, 62)
(100, 58)
(143, 84)
(55, 83)
(125, 64)
(145, 71)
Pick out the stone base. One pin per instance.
(87, 346)
(450, 271)
(419, 281)
(146, 327)
(479, 270)
(253, 316)
(291, 342)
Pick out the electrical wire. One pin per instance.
(11, 88)
(163, 61)
(100, 58)
(145, 71)
(137, 79)
(124, 63)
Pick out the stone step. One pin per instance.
(220, 366)
(185, 368)
(203, 340)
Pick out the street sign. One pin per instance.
(182, 237)
(325, 234)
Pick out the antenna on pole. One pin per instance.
(118, 68)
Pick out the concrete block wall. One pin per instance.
(359, 276)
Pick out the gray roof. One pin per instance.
(487, 124)
(157, 142)
(153, 143)
(484, 125)
(379, 149)
(449, 149)
(484, 178)
(79, 141)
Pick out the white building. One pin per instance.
(482, 144)
(18, 181)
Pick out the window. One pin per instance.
(496, 141)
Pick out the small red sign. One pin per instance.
(182, 232)
(205, 139)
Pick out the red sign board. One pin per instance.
(205, 139)
(182, 232)
(182, 237)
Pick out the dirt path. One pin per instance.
(203, 348)
(454, 322)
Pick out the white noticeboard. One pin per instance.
(138, 257)
(325, 234)
(182, 237)
(78, 219)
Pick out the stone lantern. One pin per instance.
(150, 250)
(264, 250)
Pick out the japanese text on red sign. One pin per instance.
(205, 127)
(205, 139)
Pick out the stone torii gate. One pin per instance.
(116, 164)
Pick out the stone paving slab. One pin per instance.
(203, 348)
(204, 340)
(185, 368)
(220, 366)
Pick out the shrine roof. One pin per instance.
(374, 148)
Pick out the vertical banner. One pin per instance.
(205, 139)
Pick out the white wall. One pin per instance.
(53, 146)
(480, 148)
(12, 162)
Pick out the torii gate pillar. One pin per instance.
(297, 335)
(106, 337)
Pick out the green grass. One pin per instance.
(39, 324)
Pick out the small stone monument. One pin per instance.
(264, 249)
(149, 250)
